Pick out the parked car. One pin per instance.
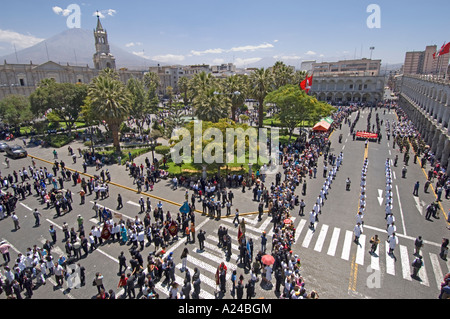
(3, 146)
(16, 151)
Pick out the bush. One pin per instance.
(59, 140)
(162, 150)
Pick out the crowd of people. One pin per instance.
(161, 228)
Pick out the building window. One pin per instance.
(22, 82)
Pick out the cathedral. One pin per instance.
(23, 79)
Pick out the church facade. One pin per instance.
(23, 79)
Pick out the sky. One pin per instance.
(239, 31)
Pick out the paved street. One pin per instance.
(332, 264)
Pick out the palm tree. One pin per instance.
(211, 106)
(235, 88)
(183, 87)
(261, 81)
(111, 101)
(200, 82)
(282, 74)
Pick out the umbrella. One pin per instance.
(267, 260)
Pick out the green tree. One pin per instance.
(183, 88)
(110, 100)
(152, 84)
(15, 110)
(139, 103)
(235, 88)
(296, 106)
(64, 100)
(282, 74)
(261, 82)
(211, 106)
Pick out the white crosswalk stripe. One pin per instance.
(347, 245)
(390, 263)
(308, 237)
(321, 238)
(375, 259)
(334, 242)
(360, 250)
(405, 262)
(299, 229)
(437, 270)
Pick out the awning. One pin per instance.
(327, 119)
(322, 126)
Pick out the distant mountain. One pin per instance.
(76, 47)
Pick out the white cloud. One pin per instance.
(244, 48)
(59, 11)
(310, 53)
(103, 13)
(287, 57)
(243, 62)
(21, 41)
(275, 41)
(169, 58)
(133, 44)
(251, 47)
(218, 61)
(209, 51)
(141, 54)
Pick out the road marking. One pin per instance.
(26, 206)
(133, 203)
(299, 229)
(347, 245)
(54, 224)
(375, 259)
(321, 238)
(437, 270)
(406, 271)
(211, 283)
(308, 238)
(360, 250)
(423, 276)
(401, 211)
(334, 242)
(390, 265)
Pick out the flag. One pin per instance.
(240, 234)
(444, 49)
(305, 85)
(106, 232)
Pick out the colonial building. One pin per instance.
(348, 81)
(347, 89)
(361, 67)
(23, 79)
(102, 58)
(426, 101)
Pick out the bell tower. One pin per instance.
(102, 58)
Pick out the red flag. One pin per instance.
(305, 85)
(106, 232)
(444, 49)
(240, 234)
